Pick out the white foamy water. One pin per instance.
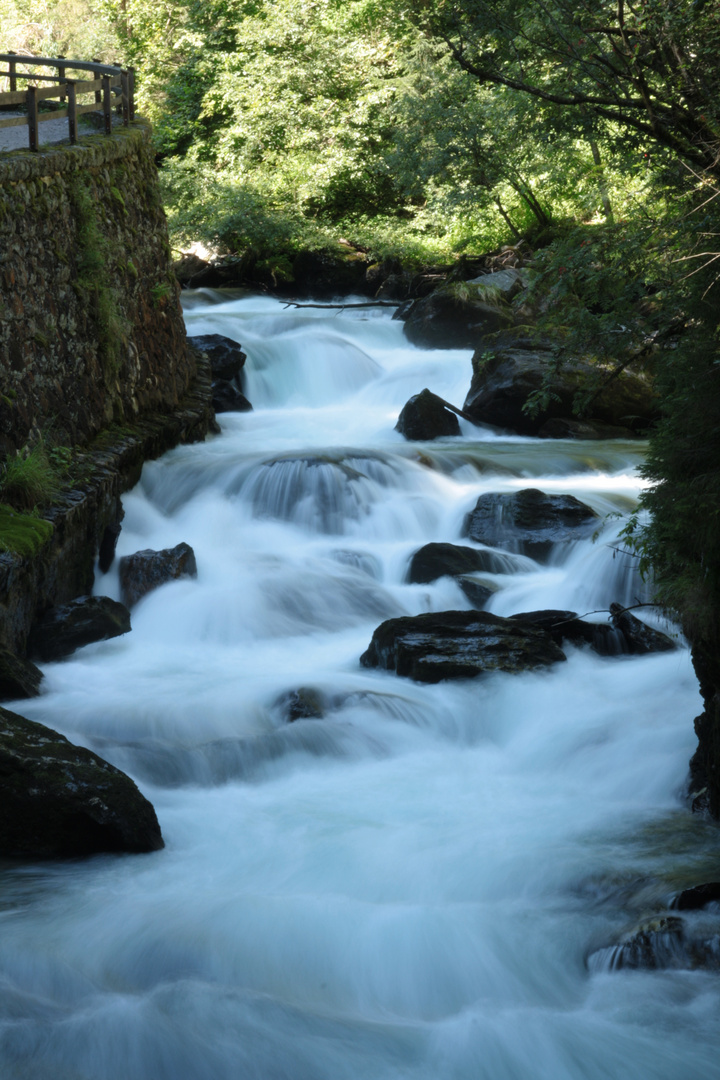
(408, 888)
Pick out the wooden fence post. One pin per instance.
(32, 111)
(131, 73)
(98, 94)
(12, 66)
(61, 69)
(125, 89)
(72, 110)
(107, 104)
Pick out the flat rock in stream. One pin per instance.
(458, 645)
(59, 800)
(529, 521)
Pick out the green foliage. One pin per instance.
(22, 534)
(93, 280)
(29, 478)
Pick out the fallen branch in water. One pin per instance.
(454, 408)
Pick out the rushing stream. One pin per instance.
(411, 886)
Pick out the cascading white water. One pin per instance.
(409, 887)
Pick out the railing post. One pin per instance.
(107, 104)
(32, 111)
(98, 95)
(131, 73)
(12, 66)
(125, 91)
(72, 110)
(61, 69)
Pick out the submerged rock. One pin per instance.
(305, 703)
(529, 521)
(18, 678)
(458, 645)
(58, 799)
(503, 381)
(476, 593)
(63, 629)
(147, 570)
(698, 897)
(662, 942)
(425, 417)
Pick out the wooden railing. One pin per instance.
(108, 82)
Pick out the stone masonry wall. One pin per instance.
(90, 325)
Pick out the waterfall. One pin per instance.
(410, 885)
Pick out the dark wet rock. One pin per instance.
(529, 521)
(563, 427)
(146, 570)
(225, 355)
(458, 645)
(698, 897)
(63, 629)
(641, 638)
(455, 317)
(504, 379)
(565, 626)
(18, 678)
(326, 274)
(476, 593)
(108, 543)
(226, 397)
(436, 560)
(662, 942)
(425, 417)
(305, 703)
(58, 799)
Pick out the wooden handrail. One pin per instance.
(108, 79)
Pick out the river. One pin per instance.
(411, 886)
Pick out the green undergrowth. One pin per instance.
(22, 534)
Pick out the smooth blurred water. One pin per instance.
(411, 886)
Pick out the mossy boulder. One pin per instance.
(458, 645)
(457, 316)
(504, 380)
(58, 799)
(18, 678)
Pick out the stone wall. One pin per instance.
(90, 326)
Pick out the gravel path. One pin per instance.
(49, 131)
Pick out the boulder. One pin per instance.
(225, 355)
(529, 521)
(698, 897)
(425, 417)
(18, 678)
(458, 645)
(305, 703)
(503, 381)
(227, 398)
(640, 637)
(226, 363)
(476, 593)
(564, 626)
(146, 570)
(436, 560)
(63, 629)
(61, 800)
(458, 316)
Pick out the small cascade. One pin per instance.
(365, 878)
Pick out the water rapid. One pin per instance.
(410, 886)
